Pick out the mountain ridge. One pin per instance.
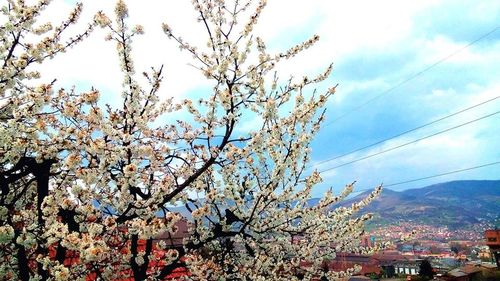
(454, 204)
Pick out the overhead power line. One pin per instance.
(444, 174)
(405, 132)
(411, 142)
(408, 79)
(434, 176)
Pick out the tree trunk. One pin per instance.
(41, 171)
(22, 261)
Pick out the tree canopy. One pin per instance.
(426, 269)
(87, 189)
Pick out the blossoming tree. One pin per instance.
(86, 190)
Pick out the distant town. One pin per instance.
(454, 254)
(430, 237)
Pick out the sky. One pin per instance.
(399, 65)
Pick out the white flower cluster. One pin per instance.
(6, 234)
(89, 190)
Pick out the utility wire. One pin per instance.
(438, 62)
(444, 174)
(404, 133)
(435, 176)
(411, 142)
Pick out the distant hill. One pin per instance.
(454, 204)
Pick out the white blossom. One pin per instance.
(96, 184)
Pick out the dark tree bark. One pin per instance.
(22, 261)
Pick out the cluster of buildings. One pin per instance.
(430, 232)
(453, 257)
(451, 260)
(394, 265)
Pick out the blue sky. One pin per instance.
(374, 46)
(454, 84)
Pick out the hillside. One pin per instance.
(454, 204)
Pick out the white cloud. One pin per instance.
(347, 28)
(95, 61)
(460, 149)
